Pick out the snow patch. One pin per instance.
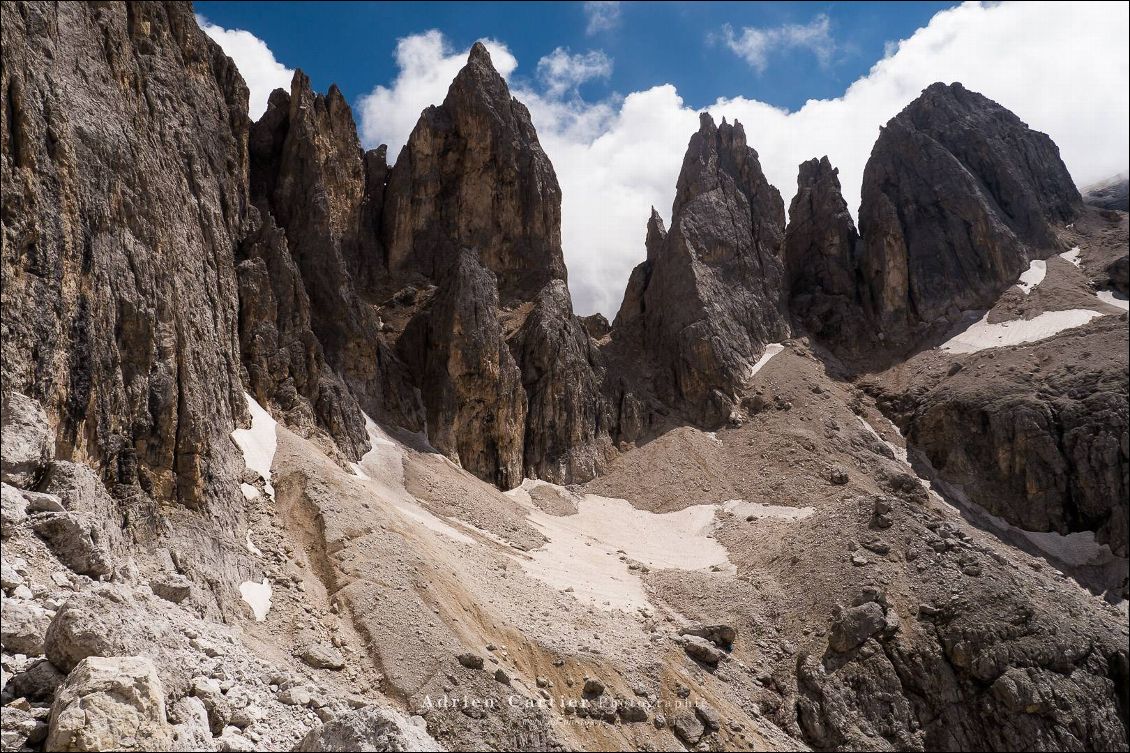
(257, 596)
(251, 545)
(1114, 299)
(589, 552)
(1032, 276)
(382, 467)
(771, 350)
(583, 551)
(1072, 256)
(982, 335)
(249, 491)
(258, 443)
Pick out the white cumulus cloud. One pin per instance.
(255, 61)
(755, 45)
(562, 72)
(427, 66)
(602, 16)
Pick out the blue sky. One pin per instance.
(614, 89)
(351, 43)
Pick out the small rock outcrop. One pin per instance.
(369, 728)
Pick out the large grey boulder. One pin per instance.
(110, 703)
(23, 626)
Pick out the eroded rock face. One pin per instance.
(310, 176)
(1045, 451)
(123, 201)
(473, 175)
(985, 670)
(567, 421)
(471, 387)
(710, 296)
(286, 366)
(958, 196)
(821, 250)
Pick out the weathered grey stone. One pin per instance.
(703, 650)
(852, 627)
(24, 625)
(370, 728)
(110, 703)
(27, 443)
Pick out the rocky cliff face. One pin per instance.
(472, 207)
(310, 176)
(958, 196)
(124, 196)
(710, 296)
(471, 386)
(821, 259)
(473, 175)
(1046, 451)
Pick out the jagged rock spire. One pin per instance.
(473, 175)
(821, 245)
(709, 297)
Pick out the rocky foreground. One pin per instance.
(303, 450)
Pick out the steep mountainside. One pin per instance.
(120, 290)
(304, 451)
(958, 196)
(710, 296)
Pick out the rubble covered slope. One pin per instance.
(302, 450)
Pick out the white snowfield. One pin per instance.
(258, 597)
(1114, 299)
(583, 551)
(258, 444)
(771, 350)
(1033, 276)
(383, 468)
(589, 553)
(983, 335)
(1072, 256)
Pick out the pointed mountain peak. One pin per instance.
(478, 82)
(656, 234)
(480, 55)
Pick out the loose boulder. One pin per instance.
(369, 728)
(110, 703)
